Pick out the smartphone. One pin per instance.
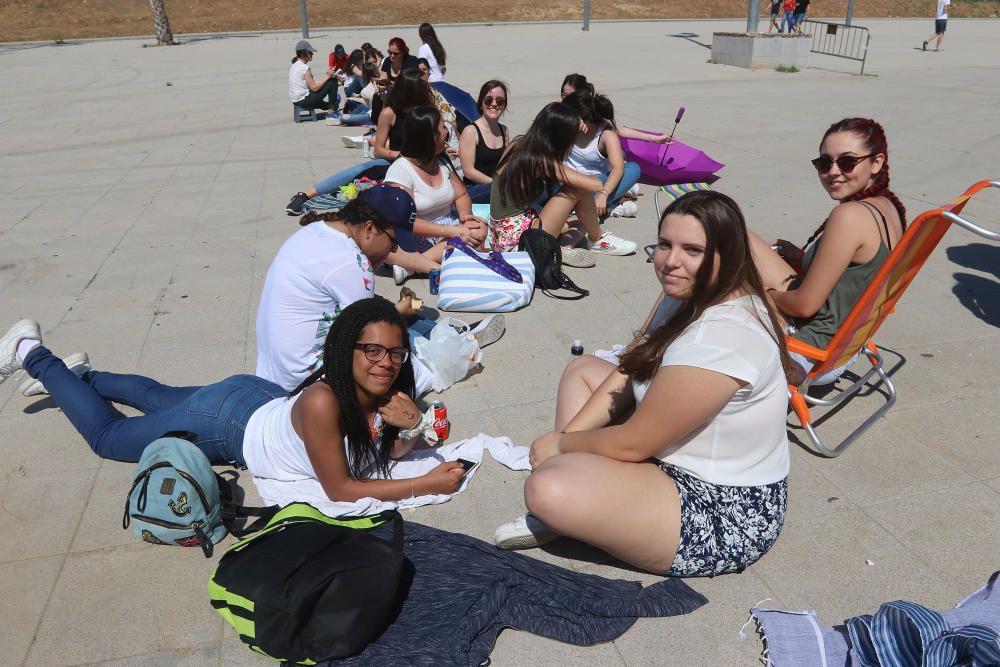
(467, 464)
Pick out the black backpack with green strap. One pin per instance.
(307, 587)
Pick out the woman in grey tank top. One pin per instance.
(817, 285)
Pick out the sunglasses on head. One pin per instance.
(489, 100)
(846, 163)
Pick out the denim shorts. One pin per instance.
(724, 528)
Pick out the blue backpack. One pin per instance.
(176, 498)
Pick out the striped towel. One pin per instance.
(677, 190)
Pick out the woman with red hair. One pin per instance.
(399, 58)
(817, 285)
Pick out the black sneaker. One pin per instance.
(295, 205)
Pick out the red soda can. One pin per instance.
(441, 425)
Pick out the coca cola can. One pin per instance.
(441, 425)
(434, 281)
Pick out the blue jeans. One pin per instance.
(629, 178)
(787, 22)
(356, 114)
(419, 327)
(345, 176)
(217, 415)
(353, 85)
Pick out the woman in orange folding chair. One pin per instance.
(816, 286)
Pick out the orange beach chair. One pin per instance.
(875, 304)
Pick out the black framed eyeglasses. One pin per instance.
(376, 353)
(846, 163)
(395, 244)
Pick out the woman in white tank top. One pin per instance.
(339, 426)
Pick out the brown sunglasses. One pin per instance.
(846, 163)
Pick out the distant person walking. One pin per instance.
(431, 49)
(801, 7)
(940, 24)
(788, 18)
(775, 15)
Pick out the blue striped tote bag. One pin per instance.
(485, 283)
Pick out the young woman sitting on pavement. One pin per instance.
(424, 171)
(598, 152)
(677, 462)
(532, 168)
(409, 91)
(816, 286)
(398, 60)
(340, 426)
(574, 82)
(358, 109)
(483, 142)
(305, 91)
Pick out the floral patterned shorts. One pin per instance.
(724, 528)
(505, 233)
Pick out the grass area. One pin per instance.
(786, 69)
(22, 20)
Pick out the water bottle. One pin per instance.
(366, 147)
(577, 348)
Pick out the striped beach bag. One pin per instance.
(485, 283)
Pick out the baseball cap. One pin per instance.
(339, 50)
(392, 203)
(303, 45)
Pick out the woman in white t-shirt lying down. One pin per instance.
(345, 422)
(677, 461)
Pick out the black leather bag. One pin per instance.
(546, 255)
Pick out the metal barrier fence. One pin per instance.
(838, 40)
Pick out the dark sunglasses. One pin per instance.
(501, 102)
(394, 53)
(846, 163)
(376, 353)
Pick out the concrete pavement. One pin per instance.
(142, 202)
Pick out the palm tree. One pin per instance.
(161, 23)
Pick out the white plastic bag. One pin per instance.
(448, 354)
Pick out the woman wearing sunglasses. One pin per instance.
(424, 171)
(340, 426)
(816, 286)
(483, 142)
(399, 59)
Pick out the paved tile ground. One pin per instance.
(141, 203)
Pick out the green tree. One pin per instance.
(161, 23)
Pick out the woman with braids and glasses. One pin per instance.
(340, 426)
(675, 459)
(817, 285)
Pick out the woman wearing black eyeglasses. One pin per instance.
(340, 426)
(483, 142)
(816, 286)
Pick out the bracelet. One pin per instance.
(424, 427)
(606, 193)
(411, 488)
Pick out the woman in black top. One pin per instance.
(483, 142)
(399, 59)
(409, 91)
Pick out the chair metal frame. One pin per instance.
(854, 336)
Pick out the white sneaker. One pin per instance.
(9, 363)
(353, 142)
(489, 330)
(634, 190)
(580, 258)
(525, 532)
(78, 363)
(399, 274)
(627, 209)
(609, 244)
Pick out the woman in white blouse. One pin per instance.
(675, 459)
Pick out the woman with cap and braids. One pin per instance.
(816, 286)
(340, 426)
(305, 91)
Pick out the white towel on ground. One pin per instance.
(414, 464)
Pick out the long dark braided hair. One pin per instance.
(725, 234)
(873, 136)
(337, 371)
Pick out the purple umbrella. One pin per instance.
(675, 162)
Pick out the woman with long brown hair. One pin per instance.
(677, 463)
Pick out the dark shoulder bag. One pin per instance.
(546, 255)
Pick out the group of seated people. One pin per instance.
(565, 174)
(669, 452)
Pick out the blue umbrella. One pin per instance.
(463, 102)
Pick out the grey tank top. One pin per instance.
(819, 329)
